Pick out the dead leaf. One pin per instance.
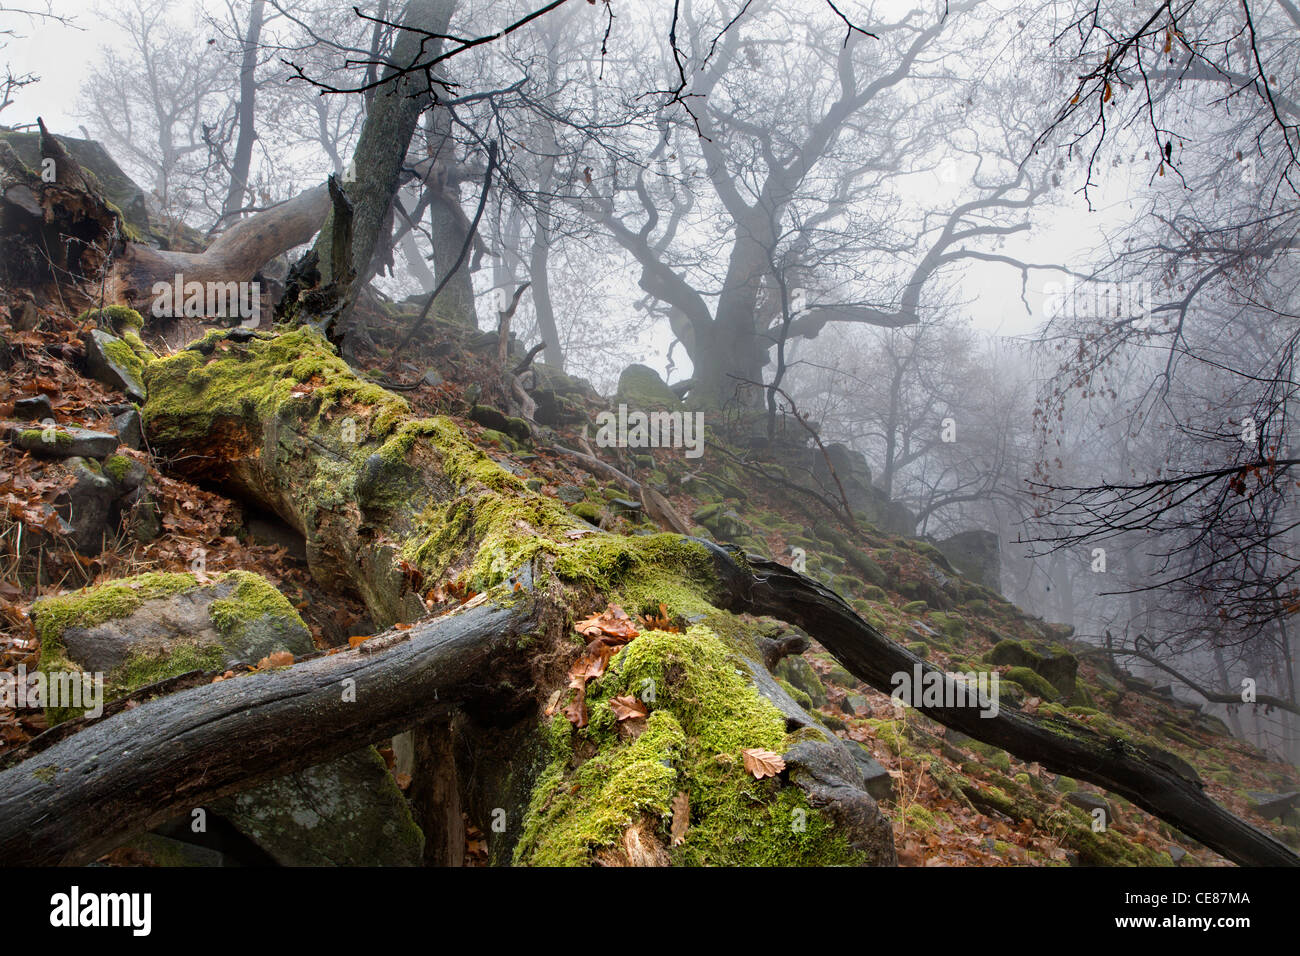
(612, 624)
(577, 711)
(762, 763)
(628, 707)
(681, 818)
(278, 659)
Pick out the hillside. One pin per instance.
(951, 800)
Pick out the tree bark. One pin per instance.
(234, 256)
(235, 196)
(449, 225)
(381, 148)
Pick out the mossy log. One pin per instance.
(389, 505)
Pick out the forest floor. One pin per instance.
(954, 801)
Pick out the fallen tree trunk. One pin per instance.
(87, 794)
(389, 504)
(1149, 779)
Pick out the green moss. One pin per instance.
(116, 467)
(915, 607)
(919, 648)
(917, 817)
(841, 677)
(141, 669)
(105, 602)
(891, 733)
(30, 436)
(186, 396)
(1031, 682)
(253, 600)
(703, 714)
(643, 570)
(950, 625)
(46, 774)
(799, 697)
(992, 756)
(587, 511)
(125, 357)
(113, 318)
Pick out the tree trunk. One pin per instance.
(189, 748)
(449, 225)
(235, 196)
(234, 256)
(372, 179)
(1147, 777)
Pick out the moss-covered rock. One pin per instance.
(137, 631)
(1032, 682)
(112, 361)
(117, 319)
(641, 389)
(1058, 667)
(799, 673)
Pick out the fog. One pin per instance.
(1034, 262)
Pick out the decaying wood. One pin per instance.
(87, 794)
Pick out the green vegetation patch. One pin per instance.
(606, 778)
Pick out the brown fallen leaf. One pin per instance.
(681, 818)
(612, 623)
(762, 763)
(589, 666)
(277, 659)
(628, 707)
(577, 711)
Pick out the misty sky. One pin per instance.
(1064, 233)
